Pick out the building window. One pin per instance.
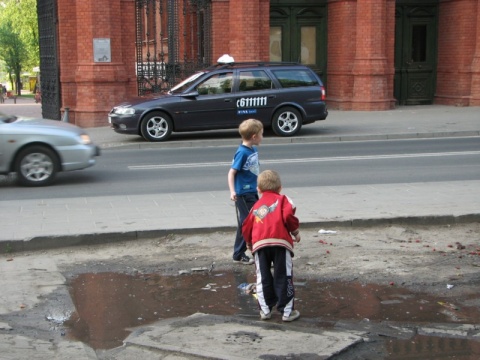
(275, 43)
(419, 43)
(308, 43)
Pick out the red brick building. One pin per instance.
(371, 54)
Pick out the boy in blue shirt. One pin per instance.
(242, 181)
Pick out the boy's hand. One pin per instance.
(233, 196)
(296, 235)
(296, 238)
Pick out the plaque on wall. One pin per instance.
(101, 50)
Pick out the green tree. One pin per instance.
(13, 53)
(21, 15)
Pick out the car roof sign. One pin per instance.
(225, 59)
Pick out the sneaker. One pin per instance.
(244, 259)
(264, 316)
(294, 315)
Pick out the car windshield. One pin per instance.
(4, 118)
(185, 84)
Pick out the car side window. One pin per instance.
(254, 80)
(295, 78)
(216, 84)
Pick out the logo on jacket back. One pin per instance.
(263, 211)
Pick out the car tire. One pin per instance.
(156, 126)
(287, 121)
(36, 166)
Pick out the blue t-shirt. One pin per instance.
(246, 162)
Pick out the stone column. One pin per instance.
(370, 72)
(475, 87)
(90, 87)
(249, 30)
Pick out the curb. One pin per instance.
(273, 141)
(61, 241)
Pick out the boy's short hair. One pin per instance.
(269, 180)
(250, 127)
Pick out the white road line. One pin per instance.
(305, 160)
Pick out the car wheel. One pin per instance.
(36, 166)
(287, 121)
(156, 126)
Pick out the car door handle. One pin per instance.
(227, 100)
(272, 96)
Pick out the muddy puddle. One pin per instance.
(108, 304)
(423, 347)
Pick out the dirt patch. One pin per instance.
(436, 259)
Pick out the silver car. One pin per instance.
(37, 149)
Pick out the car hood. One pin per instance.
(26, 125)
(146, 100)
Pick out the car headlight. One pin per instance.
(124, 111)
(85, 139)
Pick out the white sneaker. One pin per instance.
(294, 315)
(244, 259)
(264, 316)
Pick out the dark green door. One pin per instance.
(298, 33)
(415, 54)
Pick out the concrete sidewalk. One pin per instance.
(46, 223)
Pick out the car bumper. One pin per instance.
(79, 156)
(319, 114)
(124, 124)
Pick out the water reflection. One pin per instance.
(107, 304)
(433, 348)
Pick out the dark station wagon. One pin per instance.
(283, 96)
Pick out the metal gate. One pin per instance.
(49, 68)
(172, 42)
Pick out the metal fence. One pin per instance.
(49, 65)
(172, 42)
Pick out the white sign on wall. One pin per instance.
(101, 50)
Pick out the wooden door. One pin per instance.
(298, 34)
(415, 54)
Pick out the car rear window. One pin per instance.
(295, 78)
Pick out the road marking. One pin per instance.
(305, 160)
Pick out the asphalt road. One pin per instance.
(167, 170)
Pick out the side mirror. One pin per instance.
(191, 94)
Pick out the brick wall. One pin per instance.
(341, 52)
(475, 90)
(360, 59)
(247, 35)
(241, 29)
(90, 88)
(458, 42)
(390, 49)
(220, 28)
(67, 33)
(128, 56)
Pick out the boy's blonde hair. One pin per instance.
(269, 180)
(250, 127)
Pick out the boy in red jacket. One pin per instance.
(270, 230)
